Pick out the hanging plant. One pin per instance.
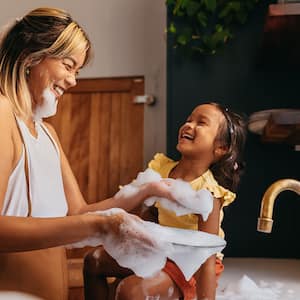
(205, 26)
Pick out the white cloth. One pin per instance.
(45, 178)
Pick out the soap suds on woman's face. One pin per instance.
(48, 107)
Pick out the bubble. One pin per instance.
(145, 259)
(246, 289)
(188, 201)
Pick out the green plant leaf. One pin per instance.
(210, 5)
(205, 26)
(224, 12)
(177, 6)
(202, 18)
(185, 36)
(172, 28)
(192, 8)
(170, 2)
(219, 28)
(235, 5)
(182, 40)
(185, 3)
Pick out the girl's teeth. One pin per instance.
(187, 136)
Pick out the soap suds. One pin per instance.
(247, 289)
(130, 250)
(188, 200)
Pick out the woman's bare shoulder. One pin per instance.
(8, 146)
(6, 113)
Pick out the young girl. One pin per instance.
(211, 142)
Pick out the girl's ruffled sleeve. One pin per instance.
(219, 192)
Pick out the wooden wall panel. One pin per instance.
(101, 131)
(115, 140)
(130, 133)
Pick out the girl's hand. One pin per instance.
(159, 189)
(131, 196)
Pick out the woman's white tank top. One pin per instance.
(45, 178)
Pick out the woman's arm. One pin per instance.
(76, 202)
(22, 233)
(206, 275)
(26, 233)
(8, 147)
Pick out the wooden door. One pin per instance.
(101, 131)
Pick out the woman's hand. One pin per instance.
(121, 227)
(132, 243)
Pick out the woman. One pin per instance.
(41, 204)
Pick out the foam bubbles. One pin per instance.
(187, 199)
(247, 289)
(144, 246)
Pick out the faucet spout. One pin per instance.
(265, 221)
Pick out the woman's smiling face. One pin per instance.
(54, 74)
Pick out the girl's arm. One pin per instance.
(76, 202)
(206, 275)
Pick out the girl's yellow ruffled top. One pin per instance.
(163, 165)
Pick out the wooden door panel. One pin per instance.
(101, 132)
(116, 124)
(130, 134)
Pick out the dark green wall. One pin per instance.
(235, 79)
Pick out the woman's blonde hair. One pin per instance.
(43, 32)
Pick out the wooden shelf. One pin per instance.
(284, 9)
(283, 127)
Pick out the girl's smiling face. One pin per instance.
(198, 135)
(54, 74)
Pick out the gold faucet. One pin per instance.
(265, 221)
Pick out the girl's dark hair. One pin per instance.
(232, 134)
